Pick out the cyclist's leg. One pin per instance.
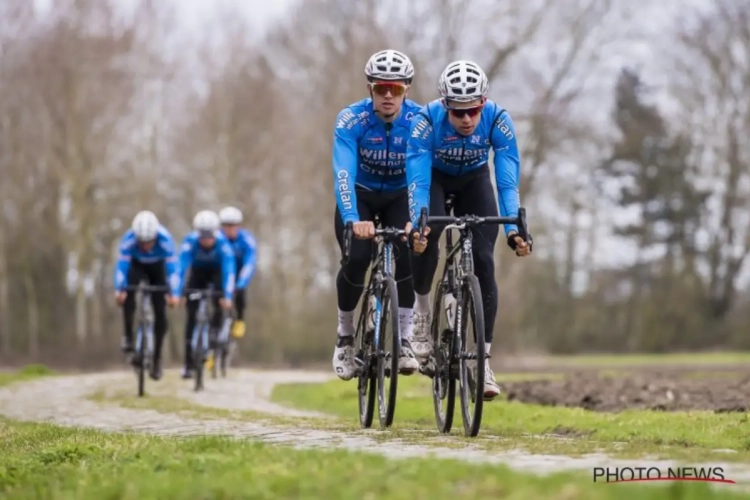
(350, 283)
(238, 328)
(396, 214)
(135, 273)
(477, 197)
(218, 313)
(198, 279)
(423, 269)
(157, 275)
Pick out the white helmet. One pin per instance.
(463, 81)
(389, 65)
(206, 221)
(230, 215)
(145, 226)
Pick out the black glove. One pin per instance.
(513, 245)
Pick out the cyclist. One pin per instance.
(243, 242)
(448, 153)
(146, 252)
(210, 258)
(369, 153)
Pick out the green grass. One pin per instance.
(689, 436)
(28, 372)
(42, 461)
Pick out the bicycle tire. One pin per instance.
(387, 404)
(472, 305)
(443, 379)
(366, 380)
(198, 358)
(141, 354)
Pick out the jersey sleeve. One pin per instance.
(245, 273)
(228, 269)
(171, 263)
(419, 154)
(185, 261)
(127, 245)
(507, 167)
(345, 159)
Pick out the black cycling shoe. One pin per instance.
(155, 373)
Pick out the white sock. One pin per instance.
(422, 303)
(405, 322)
(487, 346)
(346, 323)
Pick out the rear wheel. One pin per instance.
(443, 380)
(472, 356)
(389, 348)
(364, 357)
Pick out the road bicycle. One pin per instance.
(458, 298)
(376, 356)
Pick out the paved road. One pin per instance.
(64, 401)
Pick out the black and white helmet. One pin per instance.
(463, 81)
(389, 65)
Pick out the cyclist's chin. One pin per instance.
(467, 130)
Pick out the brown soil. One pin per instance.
(676, 389)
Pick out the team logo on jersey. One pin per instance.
(375, 139)
(475, 139)
(398, 140)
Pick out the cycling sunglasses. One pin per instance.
(396, 89)
(461, 112)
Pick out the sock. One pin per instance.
(346, 323)
(422, 303)
(487, 346)
(405, 322)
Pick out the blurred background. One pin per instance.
(632, 118)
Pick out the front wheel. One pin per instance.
(443, 357)
(388, 352)
(365, 359)
(472, 354)
(140, 355)
(199, 356)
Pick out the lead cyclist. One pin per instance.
(369, 161)
(448, 153)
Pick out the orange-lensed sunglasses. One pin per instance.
(382, 89)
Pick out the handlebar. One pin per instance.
(146, 288)
(475, 220)
(199, 293)
(383, 232)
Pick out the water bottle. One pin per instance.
(449, 306)
(373, 304)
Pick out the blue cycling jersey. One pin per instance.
(192, 254)
(162, 251)
(245, 255)
(434, 143)
(368, 153)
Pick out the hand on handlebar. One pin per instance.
(120, 297)
(363, 230)
(225, 304)
(172, 300)
(418, 244)
(519, 245)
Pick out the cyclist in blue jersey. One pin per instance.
(243, 242)
(147, 252)
(448, 153)
(210, 257)
(369, 154)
